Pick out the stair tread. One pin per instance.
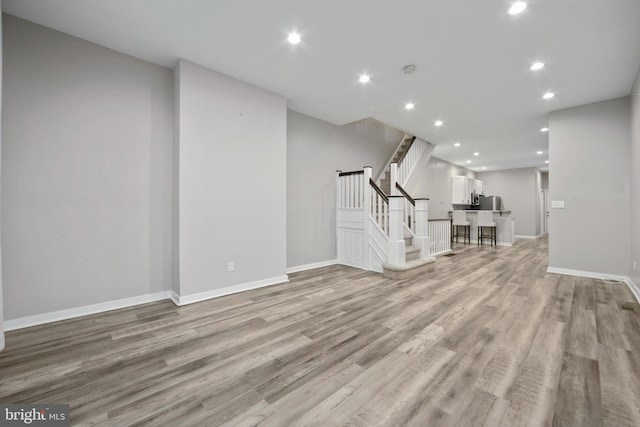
(409, 265)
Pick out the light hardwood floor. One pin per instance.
(486, 337)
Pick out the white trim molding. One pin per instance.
(215, 293)
(305, 267)
(635, 290)
(518, 236)
(592, 275)
(56, 316)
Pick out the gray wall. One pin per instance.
(1, 291)
(232, 195)
(635, 181)
(315, 150)
(589, 149)
(86, 172)
(520, 193)
(433, 180)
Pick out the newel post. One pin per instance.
(421, 240)
(396, 249)
(393, 178)
(366, 215)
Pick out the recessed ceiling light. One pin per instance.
(546, 161)
(294, 38)
(438, 123)
(484, 167)
(544, 130)
(539, 152)
(537, 66)
(476, 154)
(468, 161)
(457, 144)
(517, 7)
(364, 78)
(548, 95)
(409, 106)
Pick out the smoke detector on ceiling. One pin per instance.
(409, 69)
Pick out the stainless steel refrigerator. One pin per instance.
(490, 203)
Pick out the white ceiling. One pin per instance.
(472, 58)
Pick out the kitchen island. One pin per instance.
(505, 227)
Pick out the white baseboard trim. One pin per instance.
(589, 274)
(311, 266)
(203, 296)
(592, 275)
(56, 316)
(635, 290)
(524, 236)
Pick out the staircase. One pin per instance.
(380, 227)
(384, 180)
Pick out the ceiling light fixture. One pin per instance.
(468, 161)
(476, 154)
(537, 66)
(517, 7)
(539, 152)
(364, 78)
(294, 38)
(546, 161)
(457, 144)
(484, 168)
(409, 106)
(438, 123)
(548, 95)
(544, 130)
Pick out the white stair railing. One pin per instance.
(410, 160)
(379, 207)
(383, 172)
(351, 189)
(440, 236)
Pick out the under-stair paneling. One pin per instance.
(232, 182)
(315, 150)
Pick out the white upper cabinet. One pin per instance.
(462, 189)
(478, 186)
(460, 194)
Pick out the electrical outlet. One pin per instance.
(231, 266)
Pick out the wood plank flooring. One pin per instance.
(485, 337)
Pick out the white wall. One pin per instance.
(315, 150)
(232, 182)
(589, 149)
(433, 180)
(519, 191)
(635, 181)
(86, 173)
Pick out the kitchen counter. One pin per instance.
(498, 212)
(505, 227)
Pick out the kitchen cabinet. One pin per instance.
(460, 194)
(462, 188)
(478, 186)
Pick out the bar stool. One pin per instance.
(485, 220)
(460, 220)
